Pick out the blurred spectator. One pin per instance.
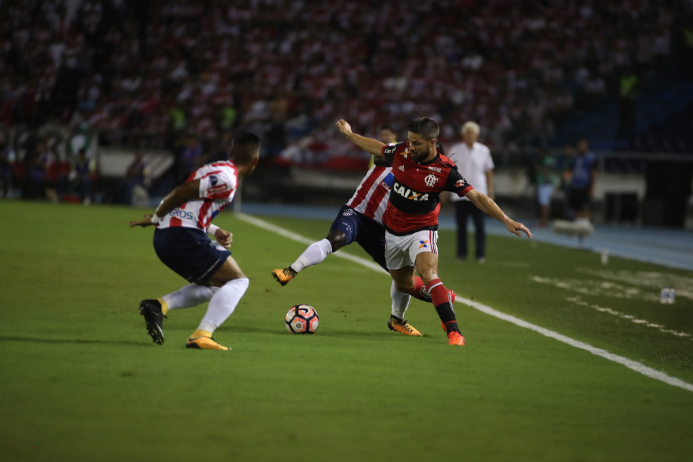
(583, 172)
(546, 181)
(191, 156)
(474, 162)
(628, 94)
(7, 160)
(39, 169)
(136, 175)
(564, 166)
(79, 179)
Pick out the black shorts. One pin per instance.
(579, 198)
(189, 252)
(367, 232)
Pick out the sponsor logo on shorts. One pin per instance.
(424, 244)
(431, 180)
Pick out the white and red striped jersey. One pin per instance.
(218, 182)
(373, 194)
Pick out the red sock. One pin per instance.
(418, 290)
(439, 296)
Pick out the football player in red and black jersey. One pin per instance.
(411, 219)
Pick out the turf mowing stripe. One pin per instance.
(629, 363)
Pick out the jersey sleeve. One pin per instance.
(456, 183)
(389, 151)
(218, 185)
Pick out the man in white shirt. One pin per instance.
(474, 162)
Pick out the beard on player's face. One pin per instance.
(419, 147)
(420, 156)
(420, 152)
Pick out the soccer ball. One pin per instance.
(302, 319)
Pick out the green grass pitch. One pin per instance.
(81, 380)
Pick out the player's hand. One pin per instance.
(143, 223)
(344, 127)
(223, 237)
(515, 228)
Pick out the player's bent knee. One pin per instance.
(428, 274)
(404, 288)
(337, 240)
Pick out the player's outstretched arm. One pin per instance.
(188, 191)
(370, 145)
(488, 206)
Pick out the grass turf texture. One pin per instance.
(82, 381)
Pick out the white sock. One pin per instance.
(188, 296)
(223, 303)
(400, 302)
(314, 254)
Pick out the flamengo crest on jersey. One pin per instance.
(373, 194)
(218, 182)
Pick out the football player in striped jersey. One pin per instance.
(361, 221)
(421, 172)
(183, 220)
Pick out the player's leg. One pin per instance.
(479, 232)
(401, 270)
(187, 297)
(425, 256)
(155, 310)
(342, 232)
(179, 249)
(230, 284)
(371, 238)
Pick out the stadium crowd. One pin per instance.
(157, 73)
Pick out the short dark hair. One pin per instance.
(244, 147)
(425, 127)
(386, 127)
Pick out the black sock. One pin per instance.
(447, 315)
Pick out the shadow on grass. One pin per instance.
(334, 333)
(74, 341)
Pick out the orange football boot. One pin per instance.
(283, 276)
(403, 327)
(455, 338)
(204, 343)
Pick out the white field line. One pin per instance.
(631, 318)
(630, 364)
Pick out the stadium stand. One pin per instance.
(288, 68)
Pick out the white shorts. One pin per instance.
(401, 251)
(544, 191)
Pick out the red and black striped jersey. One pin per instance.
(415, 198)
